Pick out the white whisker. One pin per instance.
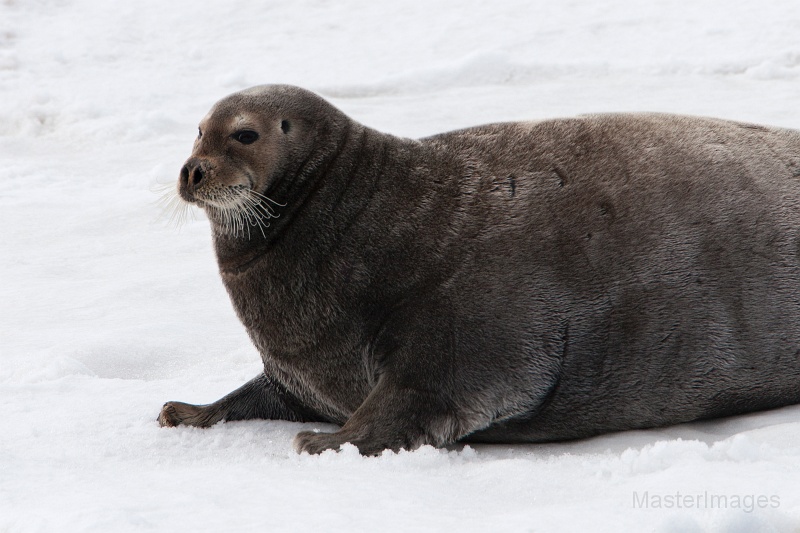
(264, 197)
(173, 207)
(235, 209)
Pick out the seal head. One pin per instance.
(247, 143)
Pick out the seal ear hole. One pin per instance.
(285, 126)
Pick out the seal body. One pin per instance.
(516, 282)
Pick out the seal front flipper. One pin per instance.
(392, 417)
(260, 397)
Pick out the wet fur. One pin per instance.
(518, 282)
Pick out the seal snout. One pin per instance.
(192, 174)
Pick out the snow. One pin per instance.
(108, 310)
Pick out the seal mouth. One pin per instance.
(239, 209)
(234, 210)
(187, 196)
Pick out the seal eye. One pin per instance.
(199, 133)
(245, 136)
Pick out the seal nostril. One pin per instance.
(184, 175)
(197, 176)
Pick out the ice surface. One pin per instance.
(107, 310)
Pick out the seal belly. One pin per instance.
(676, 244)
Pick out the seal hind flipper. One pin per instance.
(260, 398)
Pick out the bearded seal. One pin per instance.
(507, 283)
